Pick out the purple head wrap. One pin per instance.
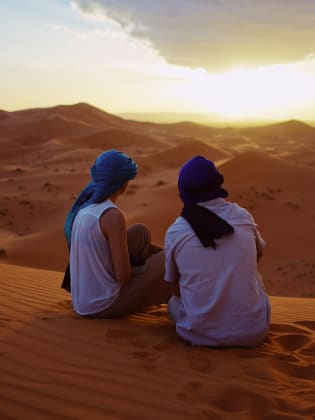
(199, 180)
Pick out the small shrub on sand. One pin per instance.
(25, 202)
(268, 196)
(160, 183)
(131, 189)
(292, 205)
(3, 252)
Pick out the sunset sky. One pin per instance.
(236, 58)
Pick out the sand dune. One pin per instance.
(81, 112)
(156, 206)
(304, 155)
(38, 131)
(287, 131)
(188, 128)
(262, 165)
(55, 364)
(35, 126)
(46, 249)
(4, 115)
(39, 183)
(62, 156)
(117, 138)
(174, 157)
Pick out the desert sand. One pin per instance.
(55, 364)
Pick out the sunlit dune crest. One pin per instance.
(116, 138)
(174, 157)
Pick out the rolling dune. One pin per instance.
(174, 157)
(58, 365)
(55, 364)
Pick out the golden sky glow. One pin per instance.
(117, 57)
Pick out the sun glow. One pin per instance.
(248, 93)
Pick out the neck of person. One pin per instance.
(113, 197)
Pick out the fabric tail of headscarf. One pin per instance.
(66, 284)
(206, 224)
(82, 199)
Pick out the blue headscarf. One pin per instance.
(111, 170)
(199, 180)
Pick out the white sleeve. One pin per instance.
(171, 269)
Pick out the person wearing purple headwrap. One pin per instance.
(112, 271)
(211, 255)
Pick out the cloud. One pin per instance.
(216, 34)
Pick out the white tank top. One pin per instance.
(93, 285)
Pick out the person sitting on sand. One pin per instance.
(113, 271)
(211, 254)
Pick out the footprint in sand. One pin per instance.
(198, 394)
(121, 334)
(308, 351)
(141, 342)
(308, 324)
(293, 342)
(284, 328)
(137, 339)
(191, 391)
(230, 399)
(297, 345)
(67, 304)
(301, 375)
(291, 337)
(147, 359)
(4, 320)
(200, 362)
(233, 399)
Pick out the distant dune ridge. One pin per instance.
(56, 364)
(174, 157)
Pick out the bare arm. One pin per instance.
(113, 226)
(260, 244)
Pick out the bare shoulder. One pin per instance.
(112, 219)
(113, 214)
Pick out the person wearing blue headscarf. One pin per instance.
(211, 254)
(112, 270)
(111, 170)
